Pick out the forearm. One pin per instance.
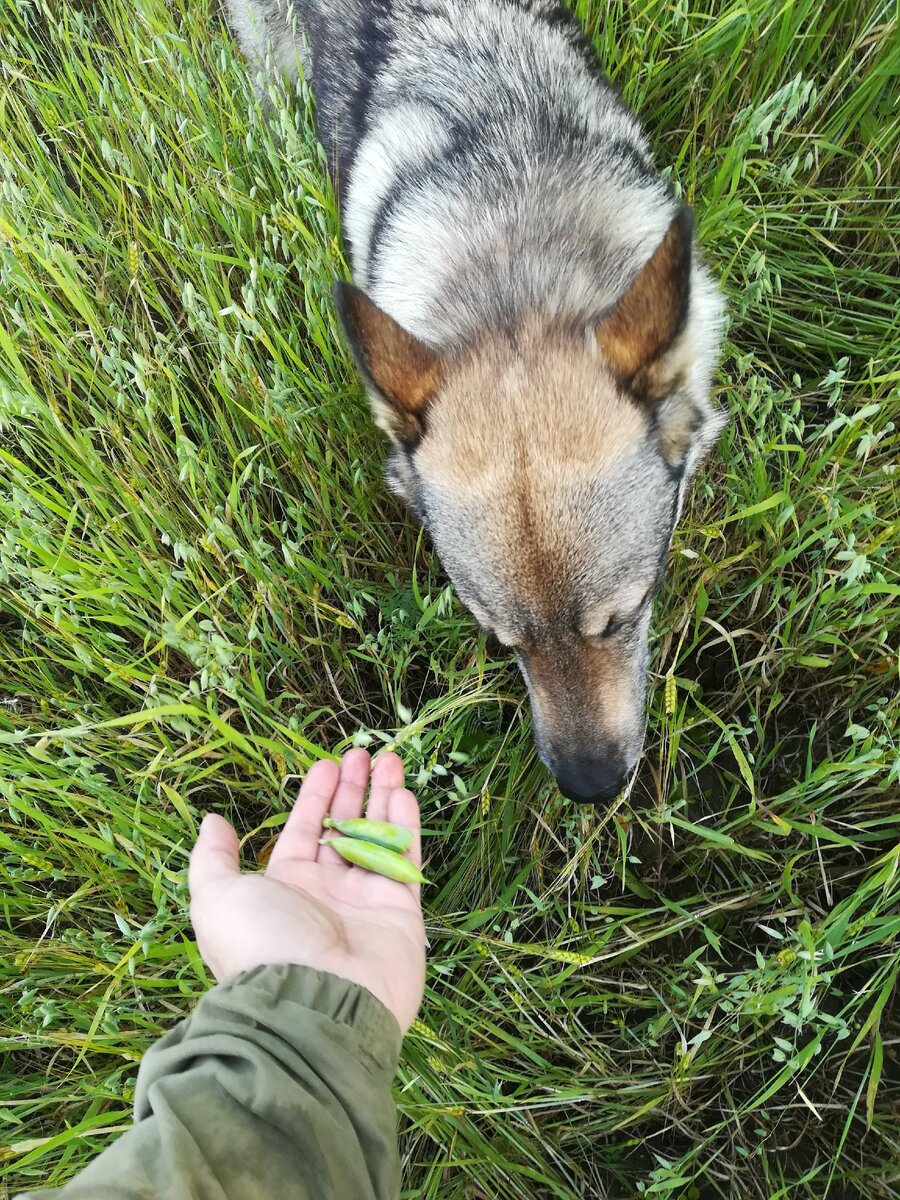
(279, 1085)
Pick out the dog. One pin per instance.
(533, 326)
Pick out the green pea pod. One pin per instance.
(381, 833)
(376, 859)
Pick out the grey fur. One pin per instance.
(499, 199)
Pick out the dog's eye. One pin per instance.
(617, 622)
(613, 626)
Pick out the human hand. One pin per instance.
(309, 906)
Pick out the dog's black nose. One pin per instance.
(589, 782)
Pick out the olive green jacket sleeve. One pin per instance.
(278, 1087)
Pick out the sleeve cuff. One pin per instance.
(264, 989)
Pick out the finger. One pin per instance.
(299, 839)
(215, 857)
(403, 809)
(349, 798)
(387, 777)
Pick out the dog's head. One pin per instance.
(549, 466)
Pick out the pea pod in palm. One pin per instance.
(377, 859)
(382, 833)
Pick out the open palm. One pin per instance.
(310, 907)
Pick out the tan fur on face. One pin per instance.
(597, 682)
(498, 401)
(521, 428)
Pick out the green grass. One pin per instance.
(204, 587)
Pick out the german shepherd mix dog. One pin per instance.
(532, 324)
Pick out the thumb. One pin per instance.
(214, 858)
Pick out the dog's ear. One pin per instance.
(637, 340)
(402, 373)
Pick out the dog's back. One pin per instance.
(486, 167)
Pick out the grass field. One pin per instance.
(204, 587)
